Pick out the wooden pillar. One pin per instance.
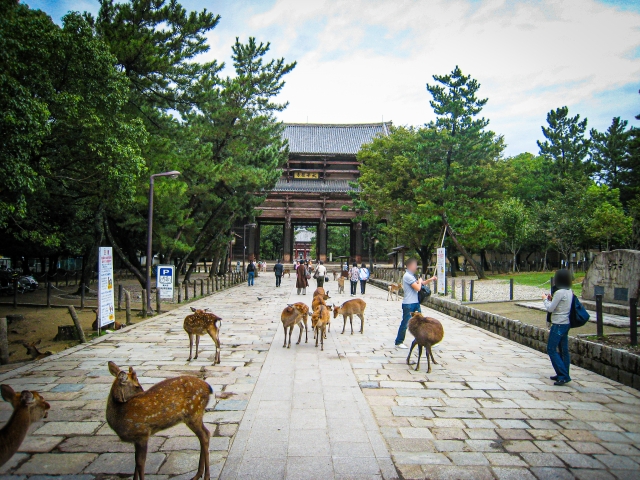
(287, 241)
(256, 247)
(321, 240)
(358, 243)
(251, 243)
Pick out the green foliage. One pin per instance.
(608, 223)
(271, 237)
(516, 224)
(610, 152)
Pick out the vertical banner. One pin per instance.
(440, 269)
(165, 281)
(106, 303)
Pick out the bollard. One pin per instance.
(48, 293)
(186, 291)
(463, 284)
(82, 295)
(127, 306)
(195, 294)
(179, 295)
(76, 322)
(471, 290)
(599, 323)
(633, 320)
(552, 282)
(4, 342)
(453, 288)
(119, 297)
(201, 287)
(511, 289)
(208, 286)
(158, 301)
(144, 302)
(15, 293)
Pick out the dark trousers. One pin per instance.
(559, 340)
(320, 281)
(354, 287)
(363, 286)
(407, 310)
(278, 280)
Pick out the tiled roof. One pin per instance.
(314, 186)
(313, 138)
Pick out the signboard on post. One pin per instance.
(165, 280)
(440, 269)
(106, 303)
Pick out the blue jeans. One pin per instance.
(559, 338)
(250, 278)
(407, 310)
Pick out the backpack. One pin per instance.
(578, 316)
(424, 293)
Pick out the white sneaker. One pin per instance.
(402, 345)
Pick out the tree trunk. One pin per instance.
(130, 266)
(90, 256)
(514, 262)
(197, 256)
(455, 265)
(479, 272)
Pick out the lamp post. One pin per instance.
(244, 243)
(172, 174)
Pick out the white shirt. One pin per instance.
(560, 306)
(321, 270)
(364, 273)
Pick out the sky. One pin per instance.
(362, 61)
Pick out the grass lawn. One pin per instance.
(535, 279)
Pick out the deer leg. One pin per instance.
(351, 322)
(306, 331)
(413, 344)
(216, 341)
(190, 347)
(299, 336)
(427, 349)
(345, 323)
(316, 334)
(203, 435)
(197, 345)
(419, 355)
(290, 332)
(431, 353)
(322, 335)
(141, 459)
(361, 323)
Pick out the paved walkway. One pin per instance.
(487, 411)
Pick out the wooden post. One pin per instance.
(82, 295)
(186, 291)
(471, 290)
(195, 293)
(208, 286)
(4, 342)
(76, 322)
(464, 290)
(511, 289)
(144, 302)
(15, 293)
(453, 288)
(201, 287)
(127, 306)
(48, 293)
(119, 296)
(158, 312)
(179, 294)
(633, 320)
(599, 322)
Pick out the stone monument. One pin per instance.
(615, 275)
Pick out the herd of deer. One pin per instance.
(135, 414)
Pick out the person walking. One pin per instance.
(251, 271)
(278, 269)
(364, 276)
(410, 303)
(354, 276)
(319, 273)
(559, 305)
(301, 278)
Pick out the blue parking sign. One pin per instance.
(164, 281)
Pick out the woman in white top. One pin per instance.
(560, 307)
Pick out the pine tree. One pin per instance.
(610, 153)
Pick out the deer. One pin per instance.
(28, 407)
(33, 351)
(295, 314)
(135, 414)
(336, 274)
(349, 309)
(319, 300)
(286, 271)
(393, 288)
(340, 285)
(320, 291)
(116, 325)
(427, 332)
(320, 319)
(201, 322)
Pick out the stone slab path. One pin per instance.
(488, 410)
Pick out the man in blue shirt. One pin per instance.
(410, 286)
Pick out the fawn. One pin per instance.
(286, 271)
(349, 309)
(319, 300)
(135, 414)
(393, 288)
(199, 323)
(28, 407)
(295, 314)
(116, 325)
(320, 319)
(427, 332)
(33, 351)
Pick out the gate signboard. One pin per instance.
(106, 303)
(440, 269)
(165, 280)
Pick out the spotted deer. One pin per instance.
(201, 322)
(393, 288)
(28, 407)
(135, 414)
(320, 319)
(115, 326)
(349, 309)
(32, 350)
(295, 314)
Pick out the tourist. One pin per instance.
(364, 276)
(278, 268)
(560, 306)
(319, 274)
(411, 286)
(354, 276)
(251, 270)
(301, 278)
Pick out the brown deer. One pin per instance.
(336, 274)
(201, 322)
(320, 319)
(135, 415)
(28, 407)
(393, 288)
(33, 351)
(286, 271)
(320, 291)
(116, 325)
(349, 309)
(295, 314)
(427, 332)
(341, 285)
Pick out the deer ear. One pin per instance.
(192, 309)
(7, 393)
(132, 372)
(27, 397)
(114, 369)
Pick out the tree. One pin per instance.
(515, 222)
(565, 143)
(610, 223)
(610, 152)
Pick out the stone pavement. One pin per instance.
(487, 411)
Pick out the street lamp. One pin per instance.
(244, 242)
(172, 174)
